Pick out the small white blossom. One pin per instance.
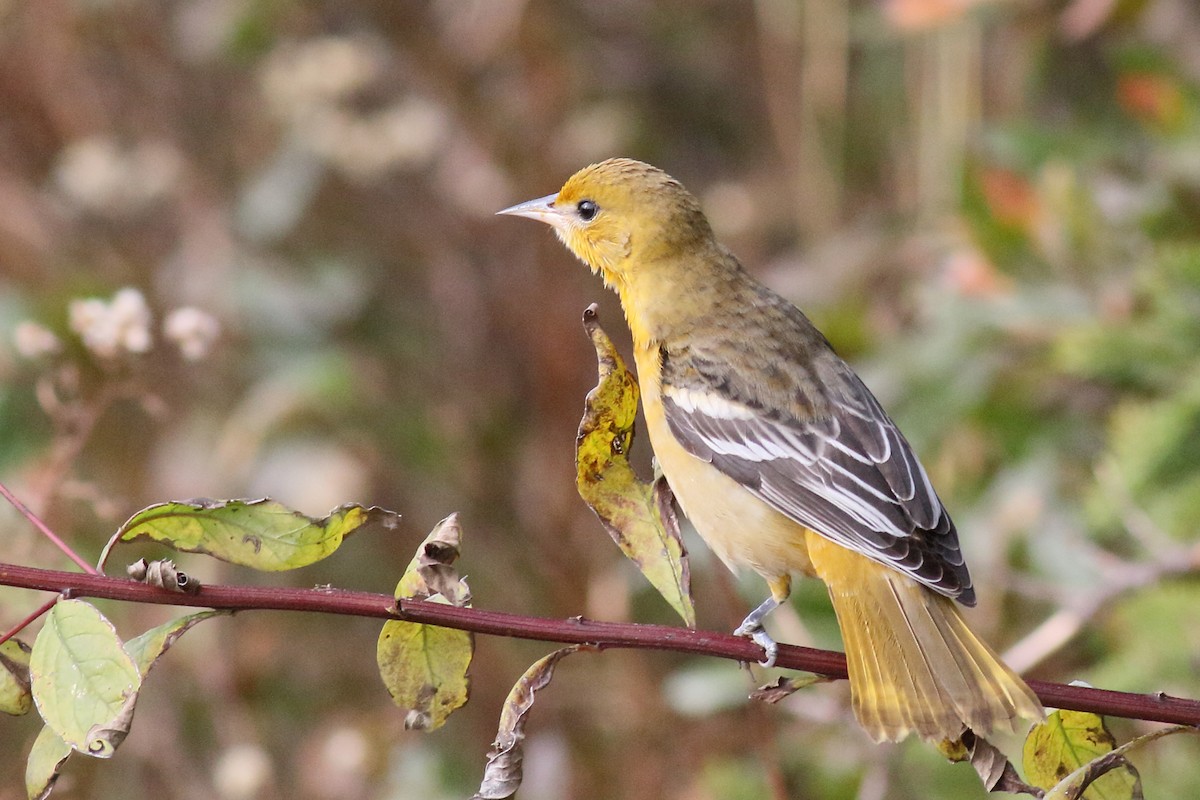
(104, 177)
(107, 328)
(192, 330)
(299, 77)
(34, 340)
(242, 771)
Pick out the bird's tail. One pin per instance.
(914, 665)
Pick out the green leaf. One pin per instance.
(639, 516)
(261, 534)
(1153, 449)
(15, 697)
(1073, 786)
(84, 683)
(146, 649)
(1064, 742)
(45, 763)
(424, 667)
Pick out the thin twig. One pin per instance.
(25, 623)
(1150, 707)
(45, 529)
(1120, 578)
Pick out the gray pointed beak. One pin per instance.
(541, 209)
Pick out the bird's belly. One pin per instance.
(741, 529)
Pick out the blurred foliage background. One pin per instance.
(992, 207)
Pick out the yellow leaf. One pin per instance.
(261, 534)
(1065, 741)
(15, 697)
(424, 667)
(638, 515)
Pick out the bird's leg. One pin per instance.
(752, 625)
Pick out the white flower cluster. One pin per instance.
(109, 327)
(34, 340)
(123, 324)
(311, 86)
(193, 331)
(104, 177)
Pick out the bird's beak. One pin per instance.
(541, 209)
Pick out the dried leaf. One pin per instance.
(995, 771)
(785, 687)
(164, 575)
(638, 515)
(503, 773)
(431, 571)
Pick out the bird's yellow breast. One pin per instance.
(741, 529)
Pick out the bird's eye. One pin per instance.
(587, 210)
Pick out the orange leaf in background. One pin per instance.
(920, 15)
(971, 274)
(1084, 17)
(1151, 98)
(1009, 196)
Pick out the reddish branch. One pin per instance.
(1151, 707)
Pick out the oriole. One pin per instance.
(782, 458)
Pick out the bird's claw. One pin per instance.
(757, 634)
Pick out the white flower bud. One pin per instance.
(34, 340)
(192, 330)
(108, 328)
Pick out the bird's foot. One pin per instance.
(758, 634)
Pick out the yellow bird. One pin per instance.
(782, 458)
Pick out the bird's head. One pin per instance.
(621, 216)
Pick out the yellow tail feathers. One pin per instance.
(914, 665)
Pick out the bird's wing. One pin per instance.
(848, 475)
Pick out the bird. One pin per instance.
(784, 461)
